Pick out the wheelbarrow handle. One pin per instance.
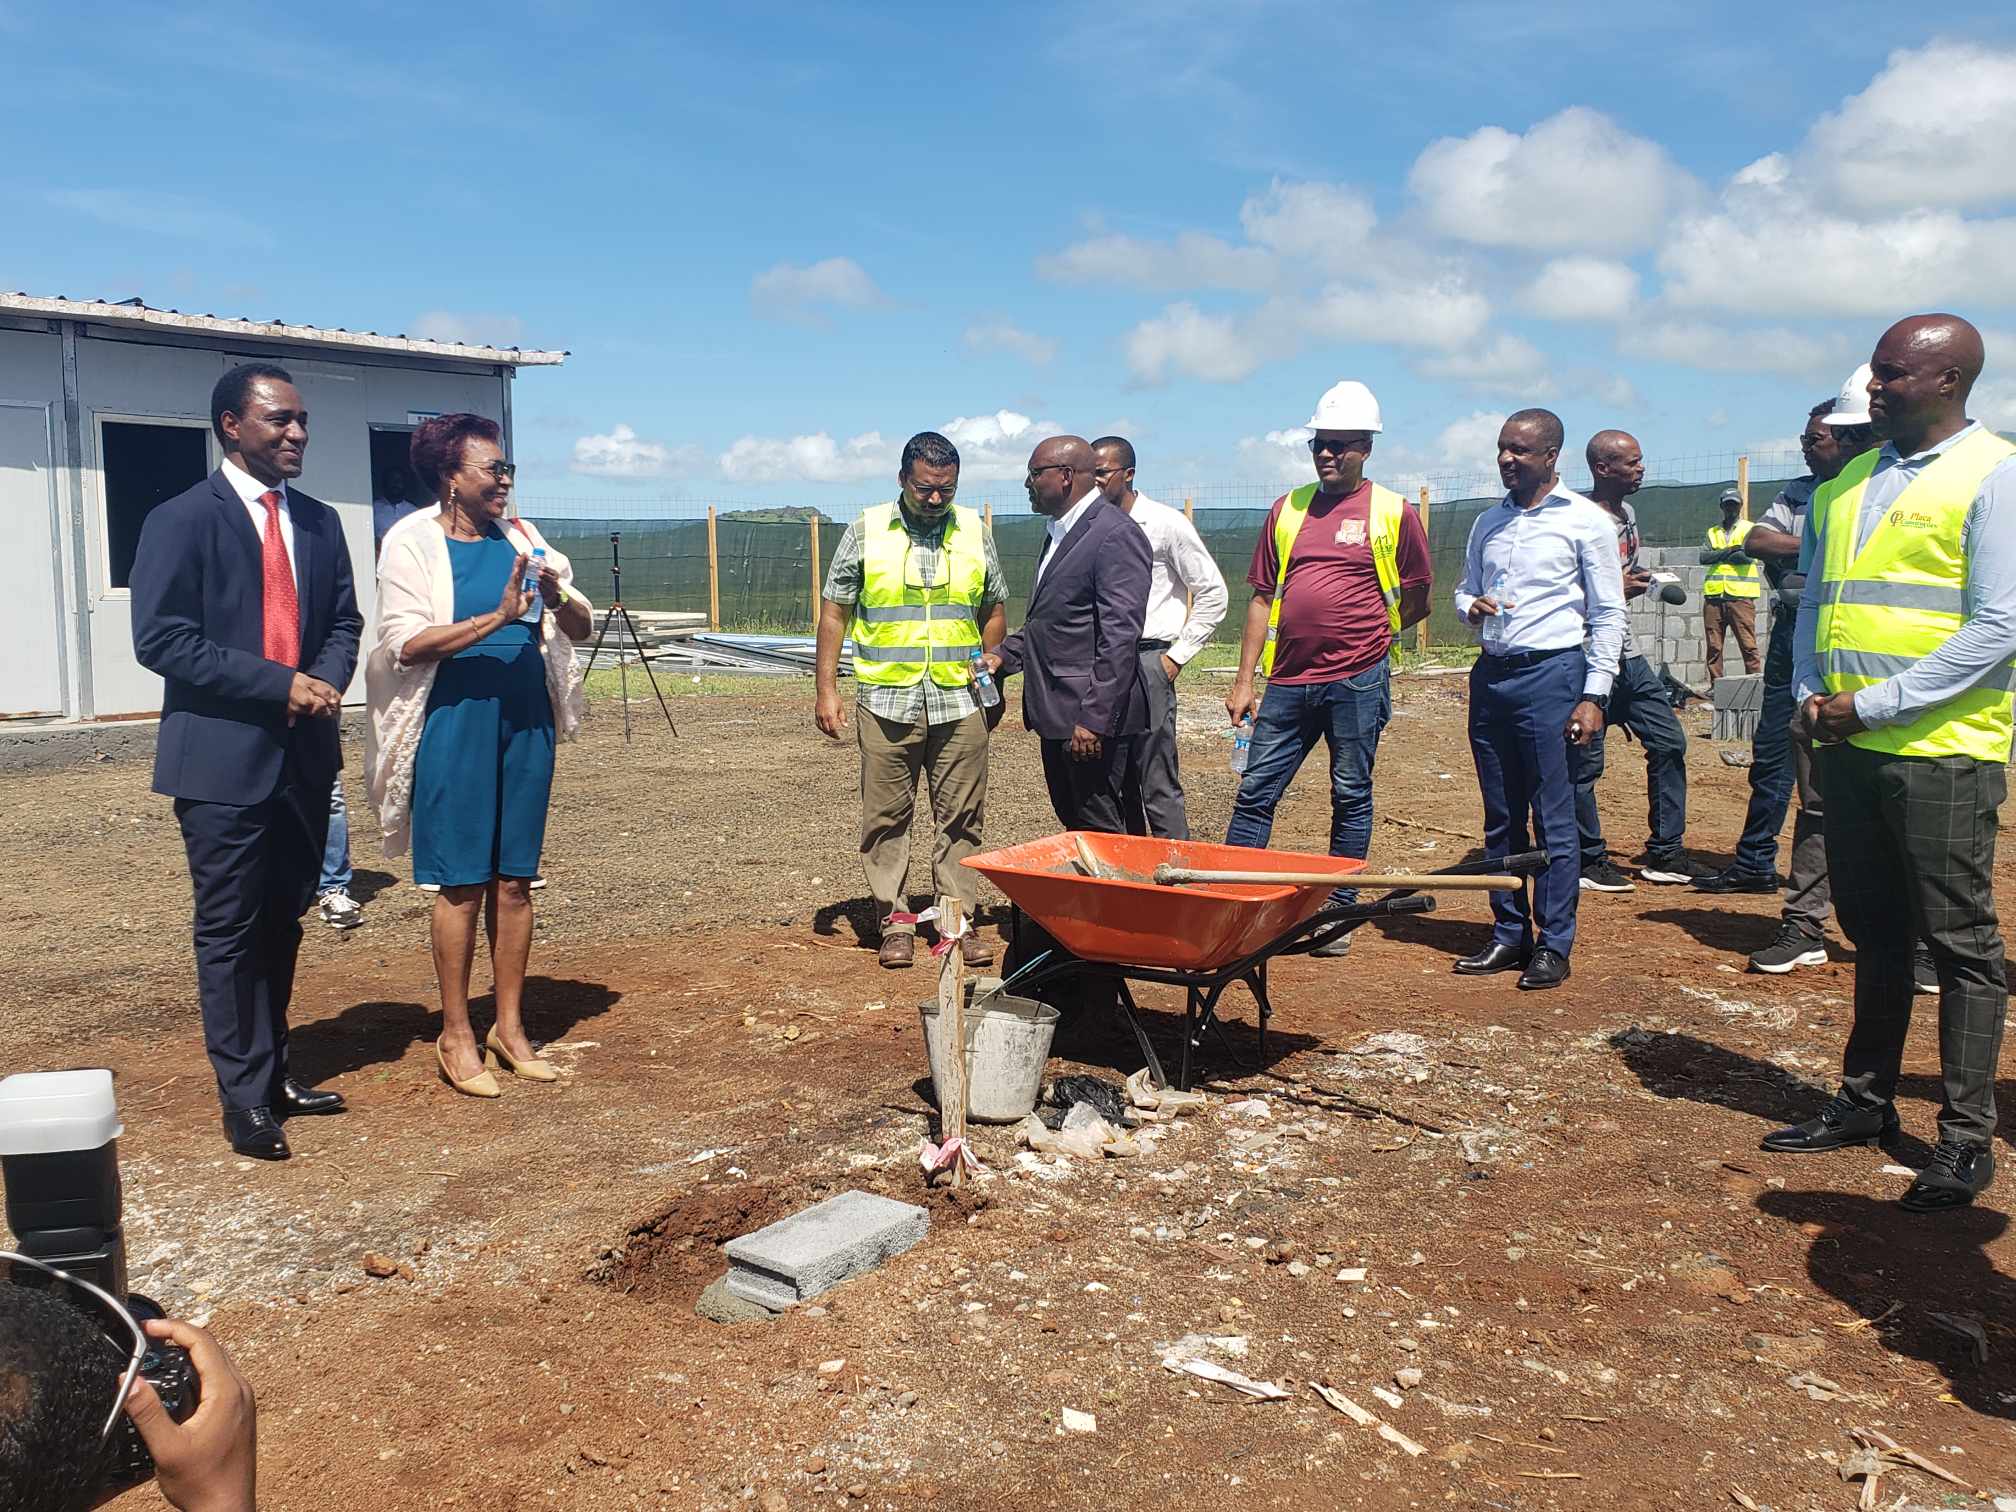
(1169, 876)
(1525, 864)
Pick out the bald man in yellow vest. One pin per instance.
(1903, 674)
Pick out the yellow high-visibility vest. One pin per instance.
(1726, 579)
(1384, 531)
(1895, 601)
(904, 627)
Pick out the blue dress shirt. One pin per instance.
(1562, 583)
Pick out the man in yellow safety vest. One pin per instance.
(918, 586)
(1341, 567)
(1729, 596)
(1903, 675)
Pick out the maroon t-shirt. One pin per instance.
(1333, 618)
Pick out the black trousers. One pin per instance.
(1911, 849)
(1154, 788)
(1089, 795)
(254, 869)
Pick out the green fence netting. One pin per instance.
(766, 579)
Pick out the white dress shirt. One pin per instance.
(1562, 581)
(1060, 528)
(249, 489)
(1181, 564)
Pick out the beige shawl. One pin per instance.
(416, 591)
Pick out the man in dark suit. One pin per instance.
(242, 602)
(1079, 645)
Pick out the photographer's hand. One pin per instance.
(207, 1464)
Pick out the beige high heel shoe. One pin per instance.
(482, 1084)
(538, 1068)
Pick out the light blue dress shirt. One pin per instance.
(1985, 642)
(1562, 581)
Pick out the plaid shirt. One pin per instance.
(843, 586)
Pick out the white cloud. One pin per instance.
(789, 291)
(1193, 260)
(1005, 336)
(816, 458)
(1582, 288)
(622, 453)
(1575, 179)
(991, 446)
(1471, 442)
(1327, 225)
(1282, 456)
(1698, 344)
(1771, 449)
(1994, 403)
(1508, 364)
(1437, 312)
(1185, 341)
(1933, 128)
(472, 328)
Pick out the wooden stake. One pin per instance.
(813, 522)
(952, 1033)
(713, 575)
(1743, 483)
(1421, 629)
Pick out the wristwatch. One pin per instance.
(1601, 700)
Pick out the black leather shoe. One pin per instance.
(1548, 968)
(254, 1132)
(1730, 880)
(296, 1099)
(1955, 1173)
(1492, 958)
(1844, 1121)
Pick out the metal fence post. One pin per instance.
(813, 523)
(713, 575)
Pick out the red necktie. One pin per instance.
(282, 613)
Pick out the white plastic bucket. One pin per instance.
(1007, 1046)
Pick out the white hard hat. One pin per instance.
(1347, 406)
(1852, 408)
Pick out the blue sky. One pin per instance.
(779, 239)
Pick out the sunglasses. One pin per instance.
(105, 1303)
(502, 471)
(1052, 467)
(1318, 445)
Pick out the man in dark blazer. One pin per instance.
(243, 603)
(1079, 645)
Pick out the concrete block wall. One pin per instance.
(1670, 635)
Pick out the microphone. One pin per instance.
(1672, 593)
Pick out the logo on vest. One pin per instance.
(1351, 532)
(1912, 519)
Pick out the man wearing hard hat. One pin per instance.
(1340, 569)
(1729, 596)
(1903, 675)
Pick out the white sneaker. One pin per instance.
(535, 884)
(339, 910)
(432, 887)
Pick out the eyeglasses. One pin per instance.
(501, 470)
(941, 494)
(1318, 445)
(1052, 467)
(109, 1304)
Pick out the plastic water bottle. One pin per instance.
(1498, 621)
(531, 584)
(984, 686)
(1242, 743)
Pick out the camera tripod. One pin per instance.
(630, 627)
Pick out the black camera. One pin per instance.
(59, 1155)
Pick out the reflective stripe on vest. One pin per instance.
(1726, 579)
(1383, 529)
(1885, 606)
(903, 630)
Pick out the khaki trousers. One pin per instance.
(1718, 617)
(952, 758)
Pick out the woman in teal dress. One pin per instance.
(483, 771)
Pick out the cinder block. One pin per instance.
(814, 1250)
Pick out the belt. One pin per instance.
(1517, 659)
(1162, 645)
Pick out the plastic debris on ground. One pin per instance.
(935, 1158)
(1164, 1102)
(1107, 1099)
(1186, 1357)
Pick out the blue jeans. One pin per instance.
(1771, 773)
(1519, 708)
(336, 854)
(1639, 702)
(1349, 713)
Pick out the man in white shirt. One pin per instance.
(1186, 600)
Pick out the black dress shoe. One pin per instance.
(1844, 1121)
(1955, 1173)
(1548, 968)
(1730, 880)
(254, 1132)
(1494, 957)
(295, 1099)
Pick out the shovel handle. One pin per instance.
(1169, 876)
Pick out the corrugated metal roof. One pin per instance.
(133, 312)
